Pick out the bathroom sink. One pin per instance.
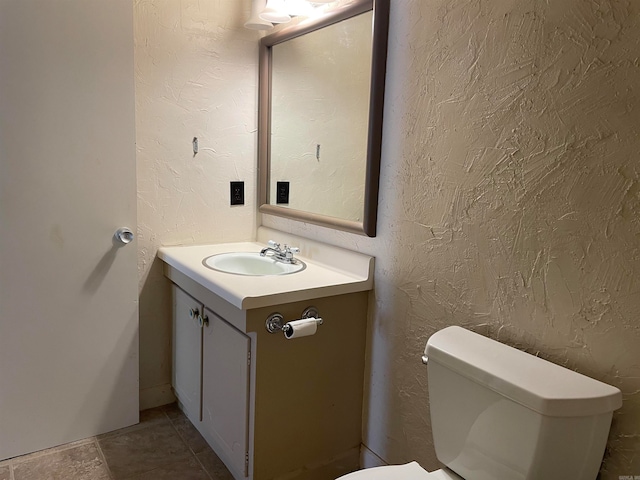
(243, 263)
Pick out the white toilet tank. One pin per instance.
(498, 413)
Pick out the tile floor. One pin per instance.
(164, 445)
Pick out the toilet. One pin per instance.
(498, 413)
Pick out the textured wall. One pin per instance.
(510, 202)
(196, 76)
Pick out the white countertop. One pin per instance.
(350, 272)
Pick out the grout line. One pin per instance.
(184, 440)
(193, 454)
(104, 459)
(204, 468)
(178, 432)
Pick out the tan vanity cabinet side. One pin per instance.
(187, 353)
(308, 391)
(225, 392)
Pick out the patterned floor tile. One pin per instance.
(140, 451)
(214, 466)
(5, 472)
(164, 445)
(190, 435)
(81, 462)
(187, 469)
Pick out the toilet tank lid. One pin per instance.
(540, 385)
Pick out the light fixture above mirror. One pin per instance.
(255, 22)
(266, 13)
(275, 12)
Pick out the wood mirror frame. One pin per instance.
(376, 104)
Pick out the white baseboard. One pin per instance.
(156, 396)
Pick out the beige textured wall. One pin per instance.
(510, 202)
(196, 76)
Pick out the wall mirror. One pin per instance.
(321, 101)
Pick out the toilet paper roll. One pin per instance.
(301, 328)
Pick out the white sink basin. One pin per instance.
(241, 263)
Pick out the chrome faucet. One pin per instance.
(282, 254)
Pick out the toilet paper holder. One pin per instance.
(275, 322)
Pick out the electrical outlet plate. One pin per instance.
(237, 193)
(282, 192)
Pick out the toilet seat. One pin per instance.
(408, 471)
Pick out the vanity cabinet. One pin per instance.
(211, 362)
(271, 407)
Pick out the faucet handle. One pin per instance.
(289, 251)
(274, 244)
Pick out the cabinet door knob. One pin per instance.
(203, 320)
(194, 313)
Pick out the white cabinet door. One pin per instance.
(225, 385)
(68, 290)
(187, 353)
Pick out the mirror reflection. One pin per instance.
(320, 94)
